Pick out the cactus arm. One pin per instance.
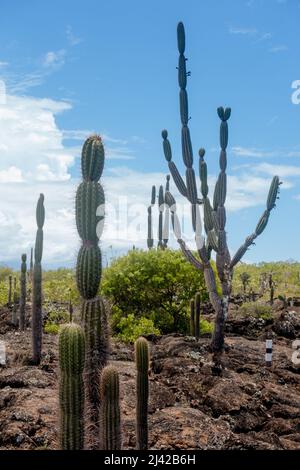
(171, 203)
(262, 223)
(180, 184)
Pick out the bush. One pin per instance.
(131, 329)
(206, 327)
(51, 328)
(155, 284)
(255, 309)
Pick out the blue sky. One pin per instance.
(73, 67)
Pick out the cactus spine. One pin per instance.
(214, 211)
(110, 414)
(23, 293)
(90, 220)
(142, 392)
(37, 320)
(71, 388)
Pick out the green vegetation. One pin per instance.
(131, 328)
(257, 310)
(286, 276)
(155, 284)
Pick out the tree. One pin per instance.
(156, 284)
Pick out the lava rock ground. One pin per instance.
(251, 406)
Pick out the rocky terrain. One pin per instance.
(251, 406)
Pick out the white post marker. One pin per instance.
(2, 353)
(269, 352)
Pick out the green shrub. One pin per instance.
(51, 328)
(206, 327)
(131, 329)
(155, 284)
(257, 310)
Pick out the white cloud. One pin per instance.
(3, 64)
(250, 152)
(73, 40)
(284, 171)
(280, 48)
(55, 59)
(31, 142)
(243, 31)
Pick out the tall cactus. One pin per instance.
(90, 220)
(23, 293)
(214, 212)
(150, 240)
(71, 388)
(142, 392)
(15, 307)
(37, 316)
(31, 265)
(110, 414)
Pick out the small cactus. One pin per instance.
(9, 301)
(23, 293)
(142, 392)
(197, 314)
(110, 414)
(15, 307)
(192, 317)
(71, 389)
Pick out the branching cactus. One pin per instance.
(150, 240)
(110, 414)
(197, 314)
(9, 301)
(71, 388)
(163, 217)
(15, 307)
(23, 293)
(90, 221)
(214, 210)
(37, 315)
(142, 392)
